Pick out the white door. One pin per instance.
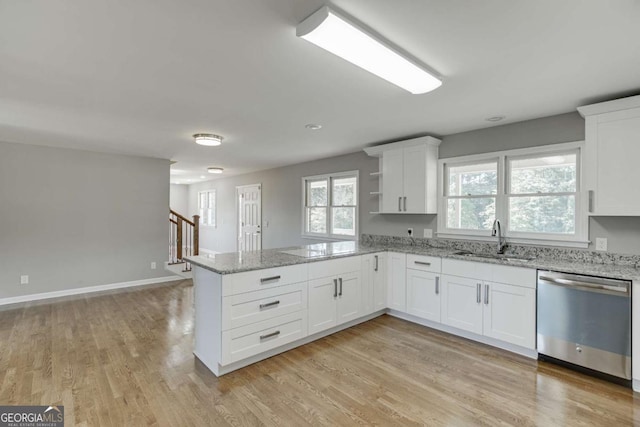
(349, 297)
(366, 278)
(392, 181)
(510, 314)
(379, 282)
(415, 179)
(396, 286)
(323, 294)
(249, 217)
(423, 294)
(462, 303)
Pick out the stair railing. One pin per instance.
(184, 239)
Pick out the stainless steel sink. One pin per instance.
(493, 256)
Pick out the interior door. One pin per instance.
(249, 217)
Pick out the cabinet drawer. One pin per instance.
(424, 263)
(334, 267)
(244, 309)
(249, 281)
(247, 341)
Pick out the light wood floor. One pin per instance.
(125, 359)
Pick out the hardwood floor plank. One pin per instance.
(124, 358)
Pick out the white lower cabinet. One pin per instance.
(499, 303)
(374, 282)
(461, 305)
(423, 294)
(335, 299)
(396, 281)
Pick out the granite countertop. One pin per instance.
(236, 262)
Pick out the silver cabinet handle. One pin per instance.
(478, 291)
(423, 263)
(399, 204)
(486, 294)
(340, 279)
(272, 334)
(591, 201)
(269, 304)
(405, 203)
(376, 267)
(437, 285)
(269, 279)
(335, 288)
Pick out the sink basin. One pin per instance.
(493, 256)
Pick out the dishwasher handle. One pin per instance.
(620, 289)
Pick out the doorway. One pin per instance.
(249, 199)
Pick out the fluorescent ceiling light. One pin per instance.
(214, 170)
(208, 139)
(334, 33)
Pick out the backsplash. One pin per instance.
(577, 255)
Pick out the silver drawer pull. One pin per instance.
(272, 334)
(269, 279)
(376, 267)
(478, 291)
(428, 264)
(269, 304)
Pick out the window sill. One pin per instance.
(581, 244)
(331, 238)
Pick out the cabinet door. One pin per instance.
(322, 304)
(510, 313)
(462, 303)
(414, 179)
(396, 286)
(392, 176)
(380, 282)
(349, 297)
(613, 149)
(423, 294)
(366, 278)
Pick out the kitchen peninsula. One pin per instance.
(252, 305)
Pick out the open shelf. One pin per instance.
(375, 193)
(376, 173)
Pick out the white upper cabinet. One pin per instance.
(408, 179)
(612, 152)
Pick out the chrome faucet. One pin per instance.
(497, 231)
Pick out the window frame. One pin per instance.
(329, 218)
(579, 239)
(202, 211)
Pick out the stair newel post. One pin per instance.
(179, 238)
(196, 234)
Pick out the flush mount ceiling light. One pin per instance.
(313, 126)
(214, 170)
(207, 139)
(332, 32)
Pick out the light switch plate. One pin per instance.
(24, 280)
(153, 265)
(427, 233)
(601, 244)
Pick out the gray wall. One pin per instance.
(179, 198)
(281, 190)
(71, 218)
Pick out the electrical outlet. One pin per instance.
(153, 265)
(601, 244)
(427, 233)
(24, 280)
(410, 231)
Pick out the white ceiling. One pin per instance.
(139, 77)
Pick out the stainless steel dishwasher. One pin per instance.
(586, 321)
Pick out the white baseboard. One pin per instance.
(86, 290)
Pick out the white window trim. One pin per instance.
(578, 240)
(215, 209)
(328, 236)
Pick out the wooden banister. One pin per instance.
(183, 230)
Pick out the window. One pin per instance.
(331, 205)
(207, 207)
(535, 193)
